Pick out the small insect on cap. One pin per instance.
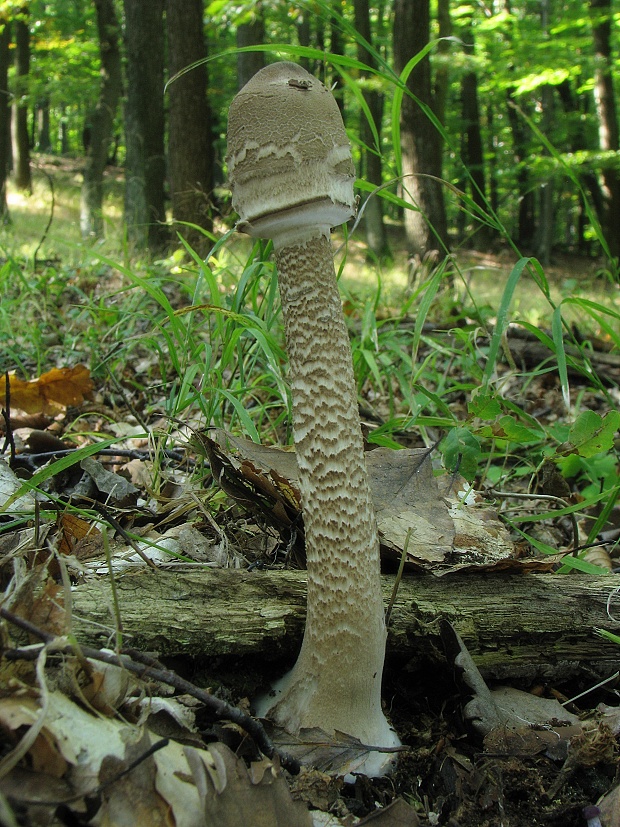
(289, 158)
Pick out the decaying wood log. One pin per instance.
(526, 626)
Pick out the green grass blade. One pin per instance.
(502, 320)
(56, 467)
(557, 332)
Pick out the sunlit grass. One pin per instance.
(362, 278)
(30, 213)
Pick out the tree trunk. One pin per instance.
(43, 134)
(99, 127)
(304, 35)
(336, 48)
(63, 131)
(473, 150)
(442, 73)
(546, 209)
(526, 206)
(145, 165)
(421, 145)
(535, 626)
(249, 63)
(495, 143)
(190, 143)
(5, 116)
(573, 103)
(371, 170)
(601, 14)
(21, 138)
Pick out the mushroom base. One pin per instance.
(288, 705)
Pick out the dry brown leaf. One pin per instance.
(139, 472)
(40, 600)
(396, 814)
(48, 610)
(107, 687)
(93, 749)
(132, 800)
(445, 526)
(318, 789)
(609, 806)
(9, 485)
(232, 795)
(52, 391)
(513, 722)
(599, 556)
(337, 754)
(77, 536)
(117, 489)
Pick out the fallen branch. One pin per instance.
(515, 626)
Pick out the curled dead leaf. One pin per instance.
(444, 525)
(52, 391)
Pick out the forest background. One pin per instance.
(487, 147)
(480, 288)
(508, 128)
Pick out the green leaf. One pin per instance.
(516, 432)
(560, 353)
(569, 563)
(461, 452)
(484, 406)
(69, 460)
(502, 319)
(592, 434)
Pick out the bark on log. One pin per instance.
(515, 626)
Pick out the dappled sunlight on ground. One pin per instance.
(482, 277)
(479, 279)
(57, 183)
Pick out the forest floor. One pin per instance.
(127, 508)
(450, 774)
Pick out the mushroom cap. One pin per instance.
(289, 158)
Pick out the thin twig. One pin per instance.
(516, 495)
(217, 707)
(120, 530)
(130, 453)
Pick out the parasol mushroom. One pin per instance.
(292, 176)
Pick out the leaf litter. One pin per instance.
(83, 737)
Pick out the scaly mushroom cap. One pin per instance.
(289, 158)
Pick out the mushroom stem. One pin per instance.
(336, 682)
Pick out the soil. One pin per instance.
(460, 784)
(447, 775)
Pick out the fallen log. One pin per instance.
(515, 626)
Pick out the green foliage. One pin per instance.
(461, 452)
(592, 434)
(207, 332)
